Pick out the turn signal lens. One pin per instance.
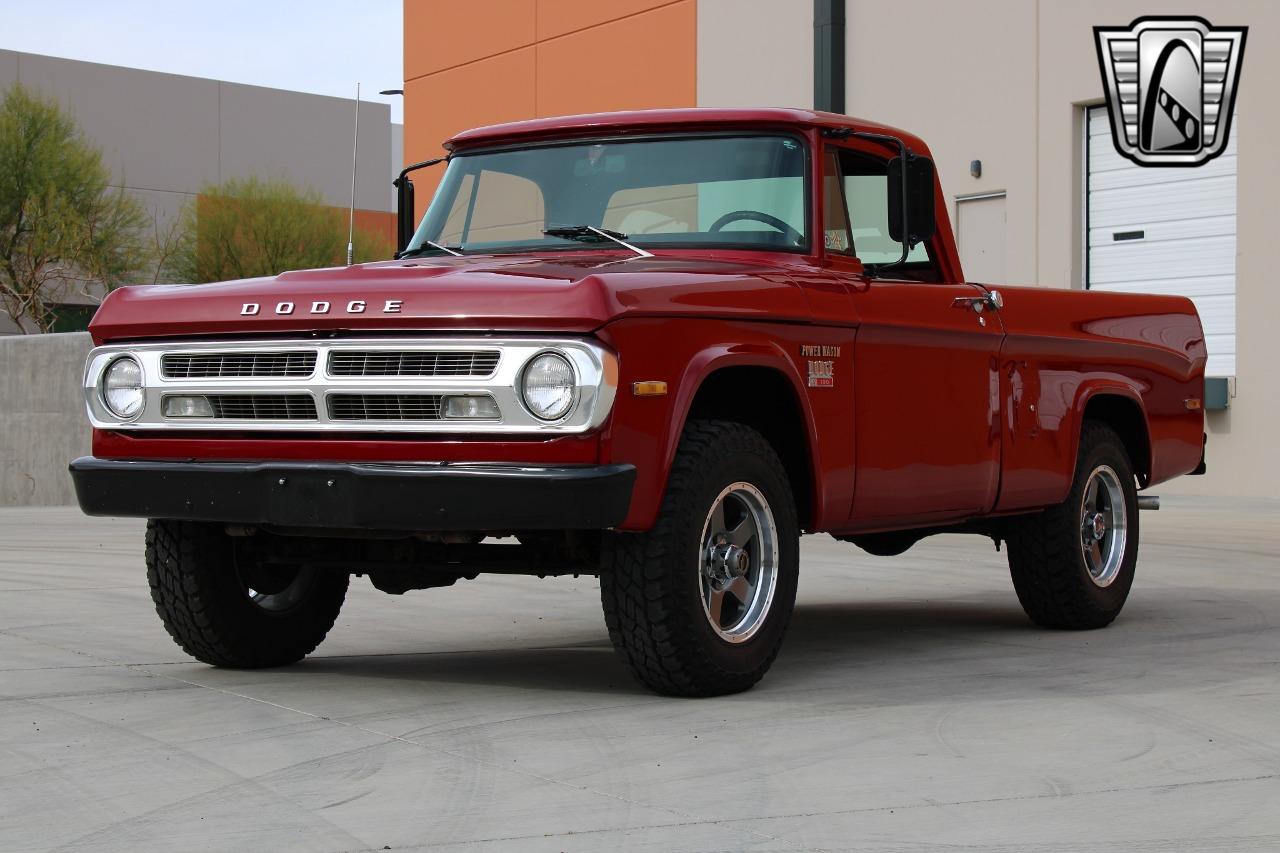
(471, 408)
(649, 389)
(187, 407)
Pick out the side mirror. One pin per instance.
(405, 224)
(911, 193)
(404, 212)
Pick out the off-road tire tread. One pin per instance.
(646, 626)
(1044, 550)
(183, 571)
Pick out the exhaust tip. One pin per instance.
(1148, 501)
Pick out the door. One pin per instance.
(1163, 230)
(926, 383)
(980, 237)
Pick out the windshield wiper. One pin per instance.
(456, 251)
(592, 234)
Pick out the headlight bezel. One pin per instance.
(104, 378)
(574, 384)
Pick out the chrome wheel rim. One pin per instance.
(1104, 525)
(738, 564)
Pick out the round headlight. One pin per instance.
(122, 387)
(548, 386)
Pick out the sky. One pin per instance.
(319, 46)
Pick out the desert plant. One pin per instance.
(63, 227)
(247, 227)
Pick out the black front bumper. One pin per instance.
(357, 496)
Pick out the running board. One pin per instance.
(1148, 502)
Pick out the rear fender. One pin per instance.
(1098, 388)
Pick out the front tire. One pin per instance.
(226, 609)
(1073, 564)
(698, 605)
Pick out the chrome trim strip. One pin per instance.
(596, 369)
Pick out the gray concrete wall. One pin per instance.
(42, 418)
(166, 133)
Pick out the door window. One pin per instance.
(857, 215)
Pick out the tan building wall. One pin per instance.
(1006, 82)
(755, 53)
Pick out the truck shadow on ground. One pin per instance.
(824, 640)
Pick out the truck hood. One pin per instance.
(575, 293)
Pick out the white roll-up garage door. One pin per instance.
(1166, 230)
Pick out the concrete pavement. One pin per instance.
(913, 707)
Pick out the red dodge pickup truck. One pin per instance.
(654, 347)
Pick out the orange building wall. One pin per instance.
(491, 61)
(377, 222)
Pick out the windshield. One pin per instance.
(744, 192)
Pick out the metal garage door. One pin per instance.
(1166, 230)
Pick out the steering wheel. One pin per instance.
(756, 216)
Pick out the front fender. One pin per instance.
(646, 431)
(708, 361)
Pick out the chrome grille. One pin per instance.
(479, 363)
(377, 385)
(263, 407)
(237, 364)
(384, 407)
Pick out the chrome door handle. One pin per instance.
(992, 301)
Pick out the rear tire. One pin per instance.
(698, 605)
(1073, 564)
(226, 610)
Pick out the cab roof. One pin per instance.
(647, 121)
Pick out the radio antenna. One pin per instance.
(351, 216)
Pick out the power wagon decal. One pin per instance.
(822, 366)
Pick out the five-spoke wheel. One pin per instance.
(1103, 525)
(1073, 564)
(698, 605)
(739, 562)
